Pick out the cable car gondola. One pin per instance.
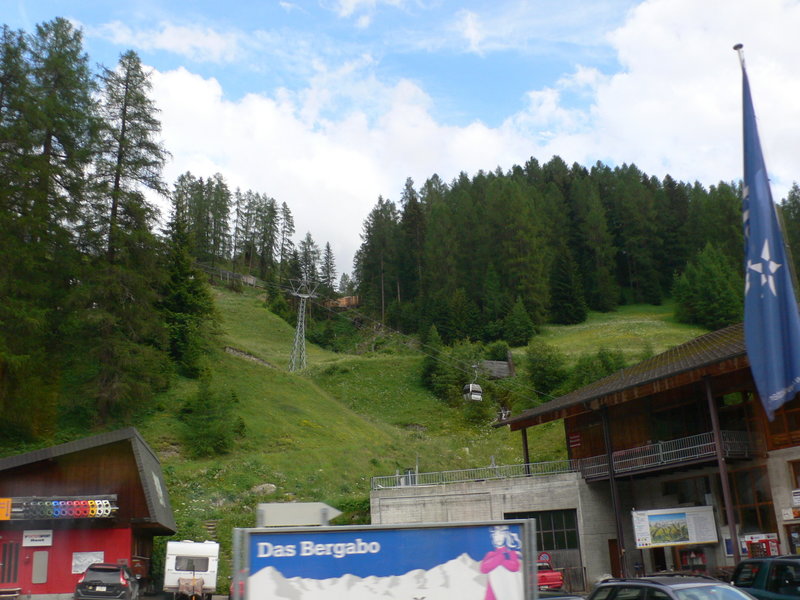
(472, 391)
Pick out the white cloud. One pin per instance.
(330, 149)
(202, 44)
(467, 23)
(348, 8)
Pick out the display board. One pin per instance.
(674, 526)
(464, 561)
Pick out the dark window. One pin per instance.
(746, 574)
(602, 593)
(784, 579)
(102, 575)
(630, 593)
(555, 529)
(752, 501)
(191, 563)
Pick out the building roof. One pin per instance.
(714, 353)
(150, 475)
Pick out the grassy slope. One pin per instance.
(321, 435)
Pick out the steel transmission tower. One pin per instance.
(303, 289)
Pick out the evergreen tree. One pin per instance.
(131, 156)
(285, 244)
(186, 303)
(567, 306)
(327, 272)
(411, 242)
(790, 211)
(376, 257)
(309, 256)
(118, 341)
(709, 292)
(518, 327)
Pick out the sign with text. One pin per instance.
(674, 526)
(465, 561)
(37, 537)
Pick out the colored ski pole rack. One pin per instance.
(93, 507)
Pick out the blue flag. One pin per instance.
(771, 319)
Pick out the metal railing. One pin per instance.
(479, 474)
(735, 444)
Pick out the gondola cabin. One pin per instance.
(473, 392)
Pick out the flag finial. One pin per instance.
(738, 48)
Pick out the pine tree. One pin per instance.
(118, 342)
(790, 210)
(709, 292)
(131, 156)
(186, 303)
(327, 272)
(518, 327)
(309, 255)
(567, 306)
(285, 243)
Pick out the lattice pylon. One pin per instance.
(298, 359)
(303, 289)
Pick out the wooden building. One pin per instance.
(686, 429)
(98, 499)
(672, 465)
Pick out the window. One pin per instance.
(555, 529)
(783, 579)
(692, 490)
(191, 563)
(746, 574)
(630, 593)
(752, 501)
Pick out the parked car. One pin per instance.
(547, 577)
(667, 587)
(769, 578)
(107, 581)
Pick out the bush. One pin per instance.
(546, 367)
(709, 292)
(497, 350)
(209, 428)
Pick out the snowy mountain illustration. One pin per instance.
(459, 578)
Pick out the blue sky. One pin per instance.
(327, 104)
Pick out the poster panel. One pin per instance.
(674, 526)
(469, 562)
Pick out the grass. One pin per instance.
(636, 330)
(320, 435)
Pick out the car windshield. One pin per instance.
(711, 592)
(102, 575)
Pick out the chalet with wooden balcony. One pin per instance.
(672, 464)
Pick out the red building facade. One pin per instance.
(99, 499)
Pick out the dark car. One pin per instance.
(667, 587)
(769, 578)
(107, 581)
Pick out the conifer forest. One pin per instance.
(103, 300)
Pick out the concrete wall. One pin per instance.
(780, 480)
(492, 499)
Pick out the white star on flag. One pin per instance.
(766, 268)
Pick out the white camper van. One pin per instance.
(190, 570)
